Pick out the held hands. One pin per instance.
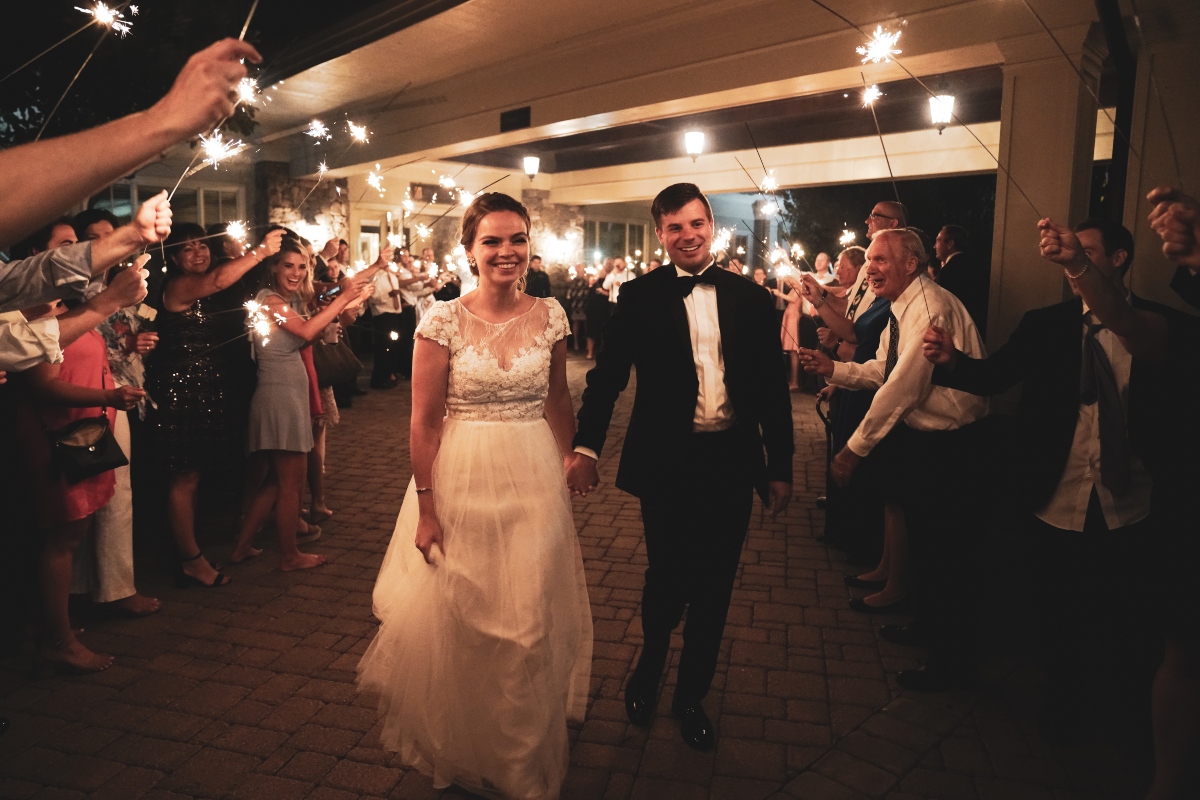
(939, 348)
(844, 464)
(124, 397)
(582, 475)
(152, 223)
(1176, 220)
(203, 93)
(429, 533)
(1059, 245)
(816, 363)
(780, 494)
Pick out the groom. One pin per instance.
(711, 397)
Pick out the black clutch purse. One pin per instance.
(335, 363)
(86, 447)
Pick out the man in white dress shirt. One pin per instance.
(925, 433)
(711, 398)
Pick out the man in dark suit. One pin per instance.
(962, 274)
(537, 282)
(711, 397)
(1089, 432)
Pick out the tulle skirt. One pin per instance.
(482, 658)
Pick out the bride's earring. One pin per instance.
(471, 263)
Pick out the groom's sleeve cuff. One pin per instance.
(589, 452)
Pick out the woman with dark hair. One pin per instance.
(281, 427)
(191, 380)
(484, 651)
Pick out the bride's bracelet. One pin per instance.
(423, 490)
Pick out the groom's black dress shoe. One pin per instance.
(694, 726)
(639, 704)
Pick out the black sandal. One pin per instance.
(186, 580)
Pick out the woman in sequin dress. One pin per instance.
(191, 381)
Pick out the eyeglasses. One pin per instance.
(873, 215)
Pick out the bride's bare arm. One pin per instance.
(560, 412)
(431, 371)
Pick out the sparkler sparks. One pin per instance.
(422, 231)
(881, 47)
(770, 208)
(357, 132)
(395, 239)
(848, 238)
(110, 17)
(322, 168)
(375, 181)
(722, 240)
(237, 231)
(465, 197)
(257, 320)
(769, 183)
(446, 182)
(870, 95)
(318, 130)
(247, 91)
(217, 149)
(797, 252)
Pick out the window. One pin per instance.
(613, 240)
(203, 205)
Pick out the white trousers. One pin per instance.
(104, 560)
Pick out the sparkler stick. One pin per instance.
(887, 160)
(481, 191)
(67, 91)
(1007, 175)
(250, 16)
(63, 40)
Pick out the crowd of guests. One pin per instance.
(1070, 514)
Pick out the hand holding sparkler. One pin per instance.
(1176, 220)
(816, 363)
(812, 289)
(938, 347)
(1060, 246)
(152, 223)
(269, 246)
(127, 288)
(205, 92)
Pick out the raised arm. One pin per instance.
(40, 179)
(312, 328)
(187, 289)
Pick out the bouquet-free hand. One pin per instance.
(429, 534)
(1176, 220)
(816, 363)
(152, 222)
(204, 91)
(141, 343)
(125, 397)
(938, 347)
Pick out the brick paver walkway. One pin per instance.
(247, 691)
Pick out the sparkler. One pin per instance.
(446, 182)
(797, 252)
(375, 181)
(216, 148)
(111, 18)
(879, 131)
(870, 95)
(322, 168)
(422, 231)
(257, 321)
(465, 197)
(722, 240)
(395, 239)
(357, 132)
(237, 231)
(880, 47)
(318, 130)
(848, 238)
(769, 183)
(247, 91)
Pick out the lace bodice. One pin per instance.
(497, 372)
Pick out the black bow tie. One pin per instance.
(686, 285)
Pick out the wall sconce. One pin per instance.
(532, 164)
(693, 142)
(941, 110)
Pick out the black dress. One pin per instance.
(191, 378)
(598, 310)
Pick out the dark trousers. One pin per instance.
(938, 479)
(694, 535)
(387, 349)
(408, 329)
(1094, 609)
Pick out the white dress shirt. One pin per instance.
(714, 411)
(382, 301)
(1068, 505)
(413, 293)
(50, 275)
(24, 344)
(909, 395)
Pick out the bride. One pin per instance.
(484, 649)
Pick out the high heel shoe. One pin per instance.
(185, 580)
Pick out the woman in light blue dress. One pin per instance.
(280, 426)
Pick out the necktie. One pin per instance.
(1098, 384)
(893, 345)
(685, 285)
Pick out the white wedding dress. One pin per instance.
(482, 659)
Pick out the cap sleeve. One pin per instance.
(438, 324)
(558, 326)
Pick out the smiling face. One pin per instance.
(192, 257)
(821, 263)
(687, 236)
(890, 268)
(98, 229)
(501, 248)
(880, 219)
(290, 270)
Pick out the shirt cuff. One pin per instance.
(71, 267)
(859, 445)
(587, 451)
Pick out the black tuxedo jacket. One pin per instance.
(1187, 286)
(1045, 355)
(969, 279)
(649, 331)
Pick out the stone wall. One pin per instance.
(281, 199)
(557, 230)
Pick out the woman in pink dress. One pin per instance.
(79, 387)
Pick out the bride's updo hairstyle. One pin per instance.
(481, 206)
